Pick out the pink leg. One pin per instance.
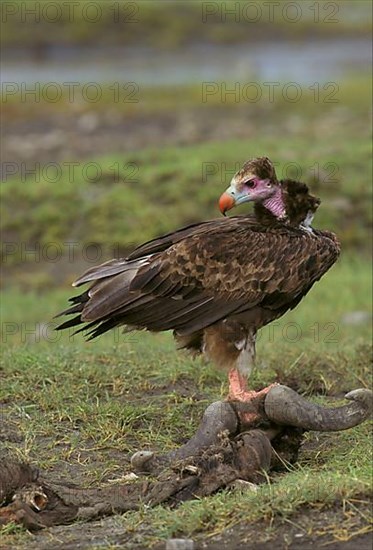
(238, 391)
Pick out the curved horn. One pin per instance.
(217, 418)
(284, 406)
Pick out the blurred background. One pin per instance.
(123, 120)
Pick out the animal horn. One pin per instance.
(284, 406)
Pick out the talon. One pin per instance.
(238, 391)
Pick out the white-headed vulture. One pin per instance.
(216, 283)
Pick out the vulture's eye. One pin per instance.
(251, 184)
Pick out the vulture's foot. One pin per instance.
(249, 404)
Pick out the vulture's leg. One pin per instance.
(238, 386)
(231, 345)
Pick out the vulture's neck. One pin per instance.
(291, 204)
(276, 205)
(271, 210)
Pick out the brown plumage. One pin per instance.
(216, 283)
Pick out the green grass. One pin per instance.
(82, 408)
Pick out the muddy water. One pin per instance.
(303, 62)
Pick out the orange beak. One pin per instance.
(226, 202)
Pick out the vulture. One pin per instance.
(216, 283)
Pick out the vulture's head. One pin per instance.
(255, 182)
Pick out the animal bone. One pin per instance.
(282, 406)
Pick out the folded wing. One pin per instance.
(202, 274)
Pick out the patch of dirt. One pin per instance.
(8, 429)
(183, 387)
(308, 530)
(65, 136)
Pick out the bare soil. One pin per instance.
(66, 136)
(108, 532)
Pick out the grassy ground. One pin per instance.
(79, 408)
